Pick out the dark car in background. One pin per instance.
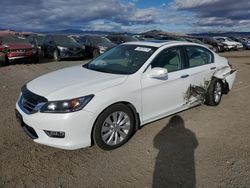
(94, 45)
(36, 40)
(18, 48)
(61, 47)
(119, 39)
(219, 47)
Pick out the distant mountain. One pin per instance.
(153, 33)
(79, 32)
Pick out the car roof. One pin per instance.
(159, 43)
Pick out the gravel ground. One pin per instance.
(201, 147)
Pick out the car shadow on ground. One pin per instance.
(175, 163)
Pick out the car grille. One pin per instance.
(75, 50)
(20, 50)
(30, 102)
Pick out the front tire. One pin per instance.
(36, 59)
(114, 127)
(56, 55)
(4, 61)
(214, 92)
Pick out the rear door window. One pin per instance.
(198, 56)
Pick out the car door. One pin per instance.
(85, 41)
(45, 45)
(161, 97)
(201, 67)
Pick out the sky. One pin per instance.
(184, 16)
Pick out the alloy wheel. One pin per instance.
(115, 128)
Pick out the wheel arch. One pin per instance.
(132, 108)
(225, 85)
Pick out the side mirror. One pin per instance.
(159, 73)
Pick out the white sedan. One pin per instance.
(231, 44)
(105, 101)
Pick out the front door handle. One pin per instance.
(185, 76)
(212, 68)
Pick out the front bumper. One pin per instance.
(72, 54)
(77, 127)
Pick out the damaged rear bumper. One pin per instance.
(230, 77)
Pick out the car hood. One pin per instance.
(230, 43)
(73, 82)
(15, 46)
(69, 45)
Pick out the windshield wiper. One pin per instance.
(99, 69)
(95, 68)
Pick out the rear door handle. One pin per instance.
(212, 68)
(185, 76)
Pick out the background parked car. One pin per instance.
(94, 45)
(245, 42)
(61, 46)
(36, 40)
(119, 39)
(194, 40)
(232, 45)
(19, 48)
(219, 47)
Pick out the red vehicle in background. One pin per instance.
(18, 48)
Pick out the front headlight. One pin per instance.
(61, 48)
(66, 106)
(102, 49)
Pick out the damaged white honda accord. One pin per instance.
(105, 101)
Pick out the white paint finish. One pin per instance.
(153, 98)
(159, 96)
(230, 79)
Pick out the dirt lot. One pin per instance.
(201, 147)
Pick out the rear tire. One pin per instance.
(214, 92)
(114, 127)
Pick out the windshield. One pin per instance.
(61, 39)
(14, 39)
(129, 39)
(220, 39)
(99, 40)
(40, 39)
(123, 59)
(231, 40)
